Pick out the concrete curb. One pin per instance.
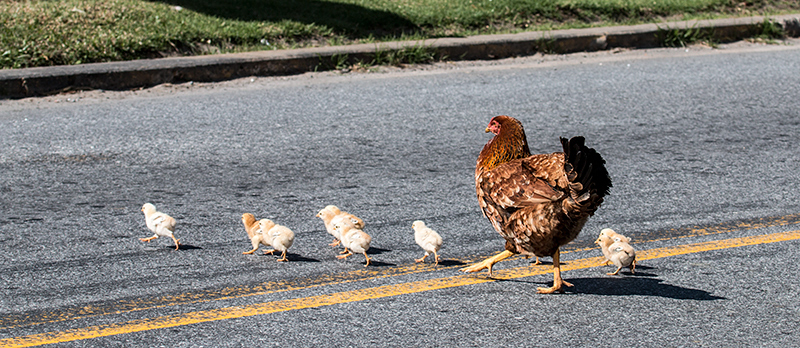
(18, 83)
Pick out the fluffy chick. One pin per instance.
(614, 235)
(616, 249)
(622, 255)
(257, 236)
(428, 239)
(355, 239)
(279, 237)
(162, 225)
(332, 215)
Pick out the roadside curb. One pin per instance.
(20, 83)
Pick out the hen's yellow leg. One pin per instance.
(557, 281)
(488, 263)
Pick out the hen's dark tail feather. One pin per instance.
(588, 178)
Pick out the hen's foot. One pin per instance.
(488, 263)
(554, 288)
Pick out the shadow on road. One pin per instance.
(637, 285)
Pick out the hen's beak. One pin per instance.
(487, 130)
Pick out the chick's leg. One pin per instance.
(148, 239)
(255, 243)
(557, 281)
(368, 259)
(422, 259)
(488, 263)
(335, 242)
(436, 257)
(283, 257)
(177, 245)
(344, 256)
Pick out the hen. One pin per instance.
(536, 202)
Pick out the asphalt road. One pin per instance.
(701, 145)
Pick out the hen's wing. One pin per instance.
(518, 184)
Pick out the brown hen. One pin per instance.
(536, 202)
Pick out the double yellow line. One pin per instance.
(369, 293)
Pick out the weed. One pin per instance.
(770, 30)
(681, 37)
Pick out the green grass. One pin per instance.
(51, 32)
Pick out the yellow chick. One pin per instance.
(331, 215)
(159, 223)
(257, 237)
(622, 255)
(614, 235)
(616, 249)
(280, 237)
(428, 239)
(355, 239)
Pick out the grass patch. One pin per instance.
(47, 32)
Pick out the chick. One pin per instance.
(614, 235)
(159, 223)
(280, 237)
(616, 249)
(257, 237)
(428, 239)
(331, 215)
(622, 255)
(355, 239)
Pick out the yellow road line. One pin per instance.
(227, 293)
(367, 294)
